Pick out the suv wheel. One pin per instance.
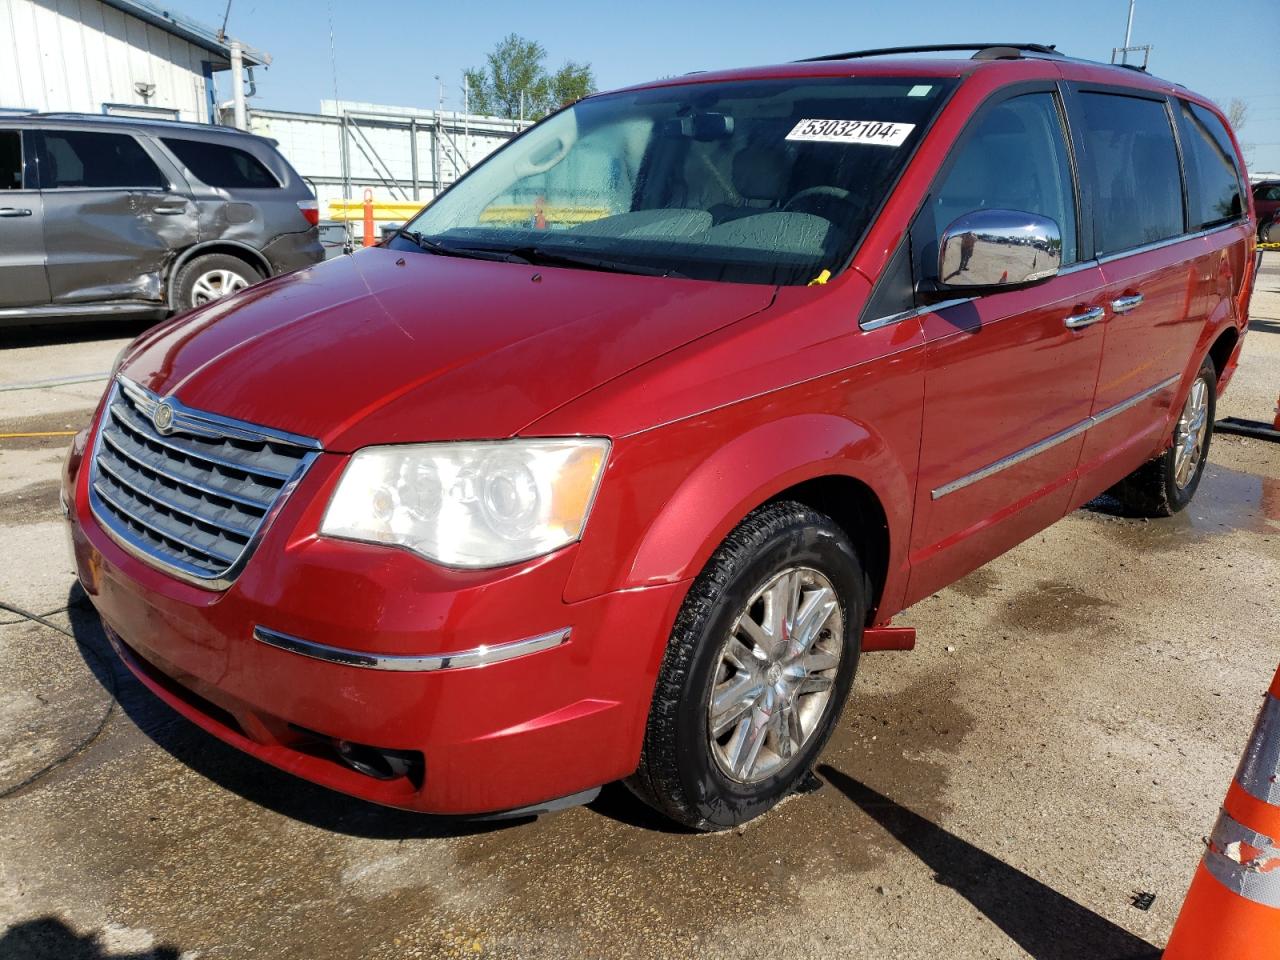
(759, 664)
(211, 277)
(1165, 485)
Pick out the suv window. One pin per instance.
(10, 160)
(1266, 191)
(84, 158)
(1136, 177)
(1213, 179)
(1015, 159)
(218, 165)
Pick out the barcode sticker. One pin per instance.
(878, 132)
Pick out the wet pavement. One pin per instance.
(1059, 741)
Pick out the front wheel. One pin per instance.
(759, 664)
(1165, 485)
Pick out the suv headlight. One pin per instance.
(469, 504)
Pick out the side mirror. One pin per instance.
(998, 248)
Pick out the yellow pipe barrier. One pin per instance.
(353, 210)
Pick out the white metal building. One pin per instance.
(404, 155)
(111, 56)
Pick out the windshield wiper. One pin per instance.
(566, 258)
(431, 245)
(539, 255)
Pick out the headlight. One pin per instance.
(469, 504)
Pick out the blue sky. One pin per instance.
(389, 52)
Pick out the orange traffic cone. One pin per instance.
(1232, 911)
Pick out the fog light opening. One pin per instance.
(379, 764)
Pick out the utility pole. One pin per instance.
(436, 173)
(1128, 33)
(237, 85)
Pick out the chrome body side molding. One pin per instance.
(1062, 436)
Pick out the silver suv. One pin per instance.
(115, 216)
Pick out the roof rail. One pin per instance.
(123, 118)
(983, 51)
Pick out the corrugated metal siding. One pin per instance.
(379, 148)
(80, 54)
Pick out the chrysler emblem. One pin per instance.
(162, 418)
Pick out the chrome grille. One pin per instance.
(188, 491)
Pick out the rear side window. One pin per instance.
(218, 165)
(1134, 164)
(10, 160)
(1016, 159)
(1214, 186)
(82, 158)
(1267, 191)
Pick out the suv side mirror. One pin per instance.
(998, 248)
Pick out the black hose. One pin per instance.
(87, 741)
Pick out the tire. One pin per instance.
(210, 277)
(1165, 485)
(711, 782)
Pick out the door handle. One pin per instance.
(1126, 303)
(171, 209)
(14, 212)
(1086, 318)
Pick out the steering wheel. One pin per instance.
(814, 193)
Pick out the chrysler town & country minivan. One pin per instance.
(612, 461)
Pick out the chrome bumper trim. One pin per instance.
(411, 663)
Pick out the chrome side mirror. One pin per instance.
(998, 248)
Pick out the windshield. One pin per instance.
(764, 181)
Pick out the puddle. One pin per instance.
(1054, 607)
(35, 503)
(43, 423)
(1227, 500)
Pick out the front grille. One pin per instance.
(188, 491)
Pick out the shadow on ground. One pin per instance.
(48, 938)
(1043, 922)
(75, 331)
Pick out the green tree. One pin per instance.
(515, 67)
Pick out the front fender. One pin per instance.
(678, 503)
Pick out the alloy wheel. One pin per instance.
(775, 674)
(216, 284)
(1189, 437)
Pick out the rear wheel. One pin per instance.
(212, 276)
(759, 664)
(1165, 485)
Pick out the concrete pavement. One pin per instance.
(1060, 740)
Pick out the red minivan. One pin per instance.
(610, 463)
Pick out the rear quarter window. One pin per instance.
(1215, 188)
(218, 165)
(1133, 162)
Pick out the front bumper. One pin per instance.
(556, 721)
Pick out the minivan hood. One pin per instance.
(393, 347)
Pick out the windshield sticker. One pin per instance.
(920, 90)
(876, 132)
